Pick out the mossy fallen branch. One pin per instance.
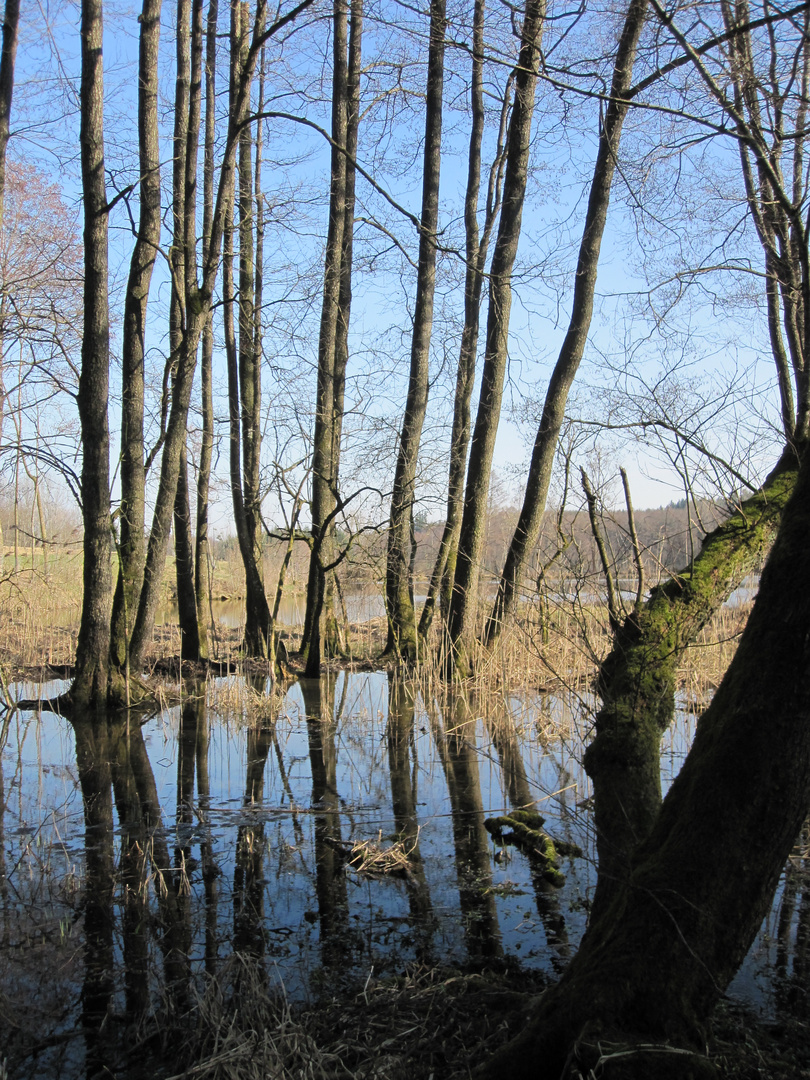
(523, 828)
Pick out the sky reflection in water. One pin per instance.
(222, 827)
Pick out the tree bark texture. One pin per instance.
(402, 635)
(464, 598)
(92, 653)
(654, 963)
(568, 361)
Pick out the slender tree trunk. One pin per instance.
(464, 598)
(202, 581)
(132, 546)
(8, 57)
(243, 369)
(402, 635)
(334, 636)
(444, 568)
(187, 112)
(653, 964)
(92, 653)
(257, 619)
(534, 501)
(193, 304)
(324, 489)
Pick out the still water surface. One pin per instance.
(135, 863)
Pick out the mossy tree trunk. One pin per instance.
(655, 960)
(637, 678)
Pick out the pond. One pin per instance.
(333, 835)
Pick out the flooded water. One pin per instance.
(136, 862)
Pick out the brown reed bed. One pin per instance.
(551, 647)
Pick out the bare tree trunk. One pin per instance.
(8, 57)
(534, 501)
(324, 488)
(185, 332)
(244, 369)
(92, 653)
(402, 635)
(335, 637)
(202, 582)
(444, 568)
(132, 546)
(464, 599)
(257, 619)
(187, 112)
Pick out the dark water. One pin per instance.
(136, 863)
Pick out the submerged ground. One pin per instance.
(304, 879)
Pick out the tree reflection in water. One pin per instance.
(138, 862)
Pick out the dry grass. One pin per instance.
(427, 1023)
(551, 647)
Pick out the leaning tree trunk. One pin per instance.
(464, 598)
(637, 678)
(545, 445)
(402, 635)
(92, 652)
(655, 961)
